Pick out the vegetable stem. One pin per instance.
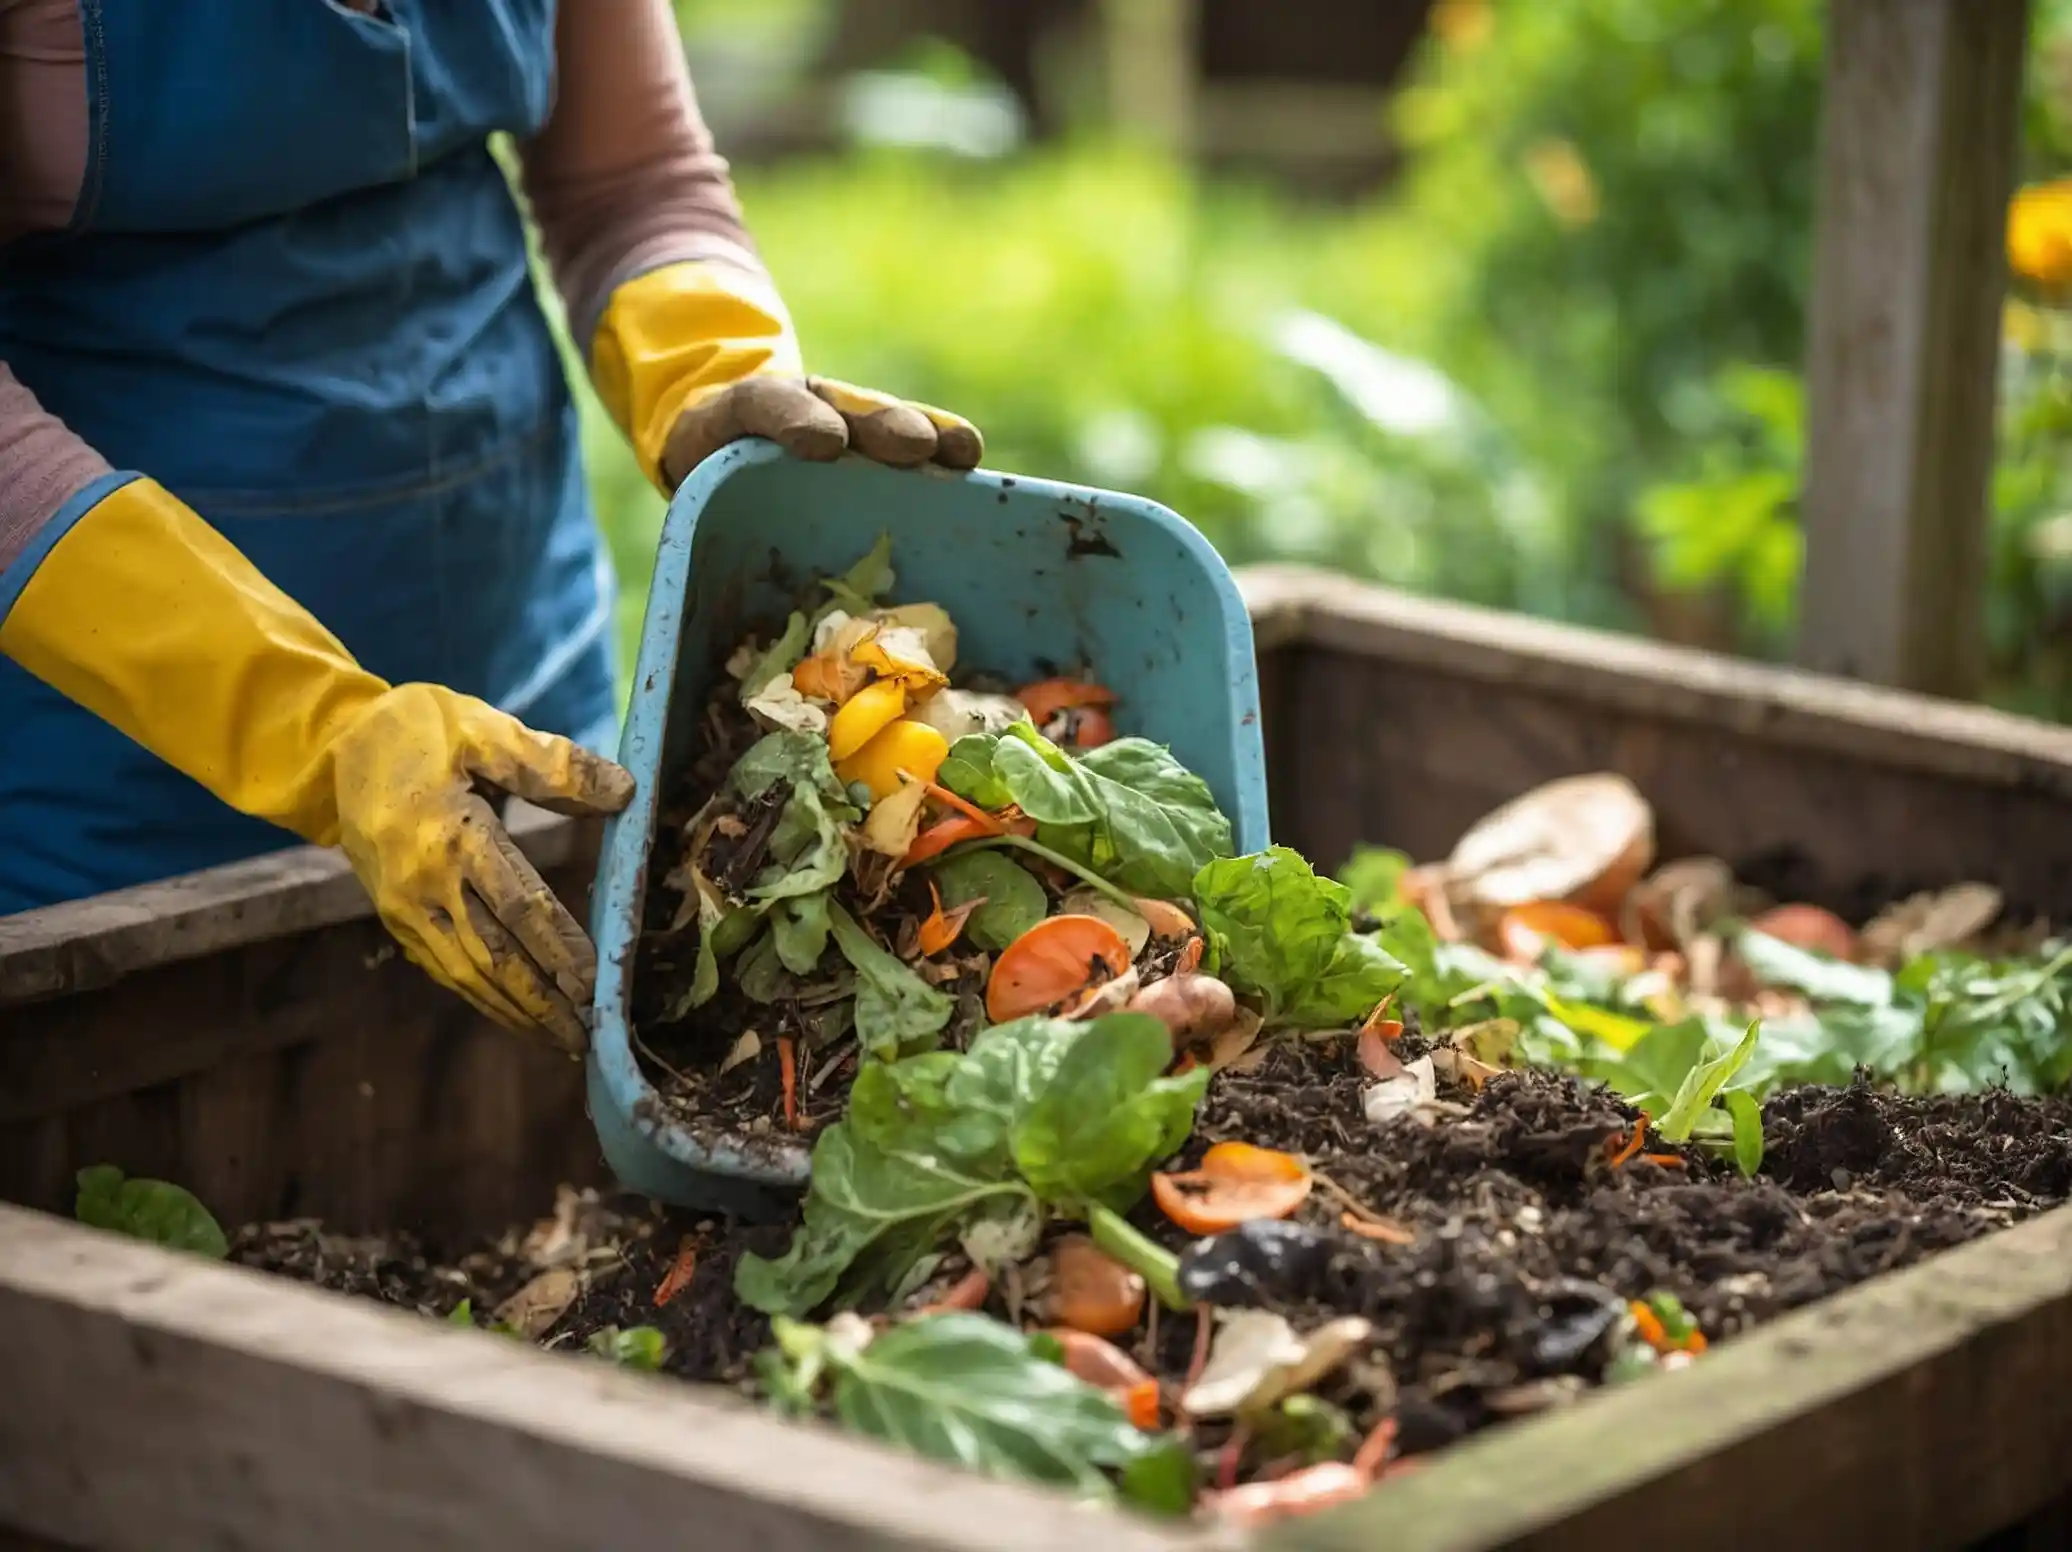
(1158, 1266)
(1079, 871)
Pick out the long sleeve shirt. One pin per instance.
(622, 179)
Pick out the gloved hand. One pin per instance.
(156, 623)
(691, 357)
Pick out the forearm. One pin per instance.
(43, 468)
(624, 178)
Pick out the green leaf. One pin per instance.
(895, 1009)
(462, 1314)
(969, 1391)
(799, 931)
(1372, 875)
(1163, 1479)
(637, 1347)
(1702, 1085)
(1776, 963)
(760, 974)
(1306, 1426)
(1015, 902)
(796, 759)
(154, 1210)
(1651, 1071)
(1108, 1115)
(806, 850)
(935, 1143)
(704, 979)
(1747, 1113)
(1284, 937)
(1128, 811)
(864, 585)
(871, 1213)
(968, 771)
(1620, 1031)
(780, 657)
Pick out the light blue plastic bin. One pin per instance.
(1038, 576)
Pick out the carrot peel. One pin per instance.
(788, 1076)
(1618, 1153)
(1235, 1183)
(966, 1295)
(680, 1272)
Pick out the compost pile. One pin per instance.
(1207, 1183)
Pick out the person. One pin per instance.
(294, 538)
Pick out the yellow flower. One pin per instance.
(1562, 177)
(2039, 233)
(1463, 25)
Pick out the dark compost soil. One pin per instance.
(1527, 1242)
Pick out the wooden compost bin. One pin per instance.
(250, 1033)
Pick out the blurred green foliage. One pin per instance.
(1554, 368)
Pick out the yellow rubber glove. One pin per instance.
(157, 624)
(691, 357)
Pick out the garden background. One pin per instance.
(1544, 355)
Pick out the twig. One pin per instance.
(642, 1047)
(830, 1067)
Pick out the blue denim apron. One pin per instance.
(295, 292)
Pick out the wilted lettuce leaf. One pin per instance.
(1284, 936)
(1037, 1111)
(973, 1392)
(1108, 1114)
(895, 1009)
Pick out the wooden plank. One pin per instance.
(89, 943)
(1920, 109)
(1923, 1410)
(157, 1402)
(1412, 757)
(1778, 707)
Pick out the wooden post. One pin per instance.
(1918, 138)
(1151, 59)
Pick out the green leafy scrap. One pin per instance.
(1038, 1114)
(1284, 936)
(632, 1347)
(1128, 811)
(865, 585)
(153, 1210)
(1014, 901)
(896, 1011)
(779, 658)
(974, 1392)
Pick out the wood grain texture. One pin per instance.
(317, 1073)
(1400, 721)
(89, 943)
(1919, 113)
(157, 1403)
(1922, 1410)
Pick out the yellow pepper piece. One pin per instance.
(903, 745)
(863, 716)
